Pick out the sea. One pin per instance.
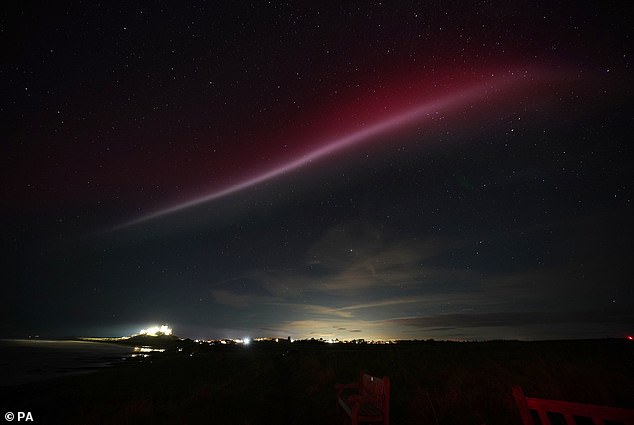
(30, 360)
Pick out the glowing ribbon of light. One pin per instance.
(391, 123)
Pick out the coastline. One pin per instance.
(25, 361)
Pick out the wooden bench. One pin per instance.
(546, 409)
(365, 401)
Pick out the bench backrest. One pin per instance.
(378, 389)
(570, 411)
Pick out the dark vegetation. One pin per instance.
(432, 382)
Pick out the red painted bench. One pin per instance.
(569, 411)
(365, 401)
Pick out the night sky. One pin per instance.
(346, 170)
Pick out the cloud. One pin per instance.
(342, 329)
(385, 303)
(355, 270)
(313, 309)
(348, 310)
(357, 277)
(357, 258)
(444, 321)
(350, 269)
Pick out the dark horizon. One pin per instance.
(419, 171)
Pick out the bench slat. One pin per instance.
(581, 409)
(570, 420)
(543, 417)
(598, 414)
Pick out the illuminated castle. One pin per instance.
(156, 330)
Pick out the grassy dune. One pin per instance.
(432, 382)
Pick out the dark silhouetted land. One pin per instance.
(432, 382)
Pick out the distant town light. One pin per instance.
(630, 337)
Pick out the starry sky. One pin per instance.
(346, 170)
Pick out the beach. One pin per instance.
(30, 360)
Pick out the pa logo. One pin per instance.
(19, 417)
